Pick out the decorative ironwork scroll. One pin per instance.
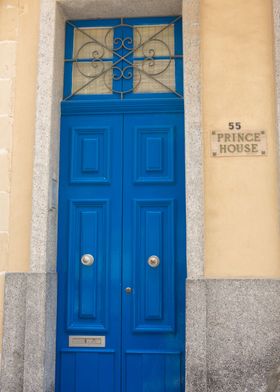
(125, 53)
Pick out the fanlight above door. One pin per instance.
(123, 57)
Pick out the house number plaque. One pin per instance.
(235, 142)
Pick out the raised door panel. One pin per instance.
(88, 286)
(156, 372)
(88, 371)
(154, 154)
(90, 154)
(153, 299)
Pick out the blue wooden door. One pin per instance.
(121, 238)
(122, 201)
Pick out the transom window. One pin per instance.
(123, 58)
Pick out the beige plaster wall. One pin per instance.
(18, 62)
(23, 135)
(241, 195)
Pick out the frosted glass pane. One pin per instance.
(93, 76)
(157, 43)
(157, 76)
(90, 43)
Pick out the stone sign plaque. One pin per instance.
(241, 143)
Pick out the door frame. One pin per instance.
(39, 285)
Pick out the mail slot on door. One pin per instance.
(87, 341)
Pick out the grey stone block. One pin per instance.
(13, 333)
(274, 380)
(196, 337)
(40, 336)
(242, 334)
(28, 354)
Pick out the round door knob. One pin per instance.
(87, 259)
(153, 261)
(128, 290)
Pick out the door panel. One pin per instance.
(156, 372)
(88, 287)
(153, 287)
(90, 221)
(88, 372)
(154, 225)
(154, 152)
(90, 154)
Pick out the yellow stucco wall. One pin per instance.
(241, 193)
(19, 25)
(18, 45)
(23, 135)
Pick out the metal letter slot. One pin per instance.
(87, 341)
(153, 261)
(87, 260)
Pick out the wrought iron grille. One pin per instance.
(124, 59)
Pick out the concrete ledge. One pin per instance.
(28, 355)
(233, 334)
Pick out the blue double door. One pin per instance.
(121, 253)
